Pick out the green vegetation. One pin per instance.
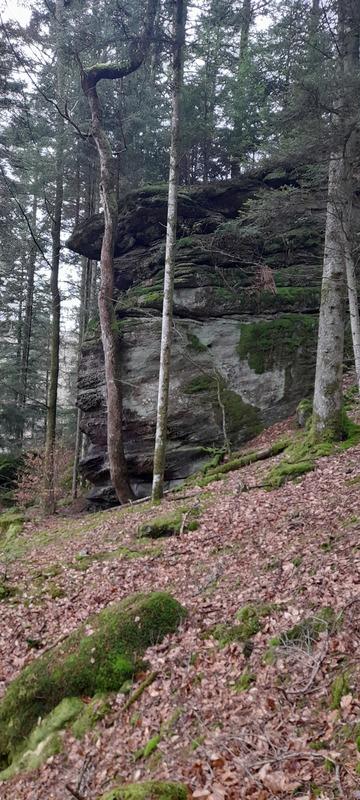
(239, 416)
(249, 623)
(11, 522)
(304, 411)
(98, 657)
(215, 472)
(339, 688)
(245, 681)
(306, 632)
(169, 524)
(301, 455)
(7, 590)
(44, 740)
(150, 790)
(201, 383)
(149, 748)
(90, 714)
(83, 562)
(195, 344)
(273, 342)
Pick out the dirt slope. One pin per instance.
(242, 720)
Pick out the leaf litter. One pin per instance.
(295, 549)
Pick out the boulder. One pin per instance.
(243, 352)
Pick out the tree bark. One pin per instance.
(28, 314)
(108, 183)
(327, 406)
(54, 276)
(247, 15)
(167, 314)
(328, 418)
(353, 308)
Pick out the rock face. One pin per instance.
(243, 349)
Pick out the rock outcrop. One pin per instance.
(243, 348)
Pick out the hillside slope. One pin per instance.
(257, 694)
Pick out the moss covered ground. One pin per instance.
(266, 664)
(149, 790)
(98, 657)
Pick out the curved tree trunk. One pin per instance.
(110, 338)
(108, 187)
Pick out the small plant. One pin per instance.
(339, 689)
(245, 681)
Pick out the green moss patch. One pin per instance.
(44, 740)
(270, 343)
(245, 681)
(240, 417)
(249, 623)
(149, 790)
(339, 689)
(7, 590)
(195, 344)
(169, 524)
(11, 522)
(300, 457)
(90, 714)
(98, 657)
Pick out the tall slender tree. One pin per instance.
(55, 263)
(108, 195)
(167, 313)
(327, 409)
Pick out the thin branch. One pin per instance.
(24, 214)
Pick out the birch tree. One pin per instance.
(108, 196)
(179, 17)
(55, 263)
(327, 408)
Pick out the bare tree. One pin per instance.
(167, 314)
(55, 262)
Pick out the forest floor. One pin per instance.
(278, 721)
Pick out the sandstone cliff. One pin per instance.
(243, 354)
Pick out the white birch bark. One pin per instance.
(328, 419)
(327, 407)
(167, 313)
(353, 308)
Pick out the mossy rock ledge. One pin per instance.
(149, 790)
(242, 357)
(99, 656)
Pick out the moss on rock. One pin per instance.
(149, 790)
(90, 714)
(239, 415)
(273, 342)
(44, 740)
(98, 657)
(168, 524)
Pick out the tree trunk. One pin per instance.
(353, 308)
(328, 418)
(167, 314)
(246, 18)
(327, 408)
(110, 339)
(54, 276)
(28, 315)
